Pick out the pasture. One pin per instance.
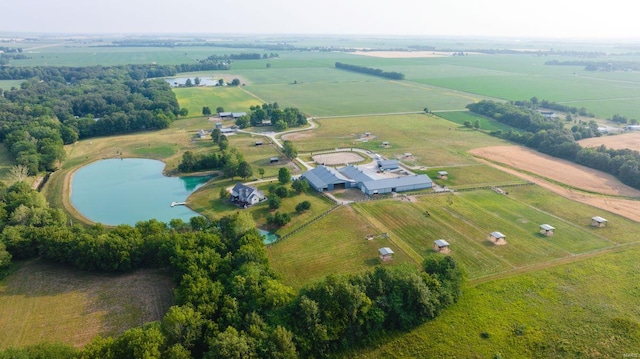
(232, 99)
(486, 124)
(432, 141)
(553, 313)
(45, 302)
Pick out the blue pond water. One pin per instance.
(125, 191)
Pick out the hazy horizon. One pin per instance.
(545, 19)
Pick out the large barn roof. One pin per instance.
(322, 176)
(397, 182)
(358, 175)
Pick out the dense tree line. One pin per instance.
(228, 301)
(229, 161)
(370, 71)
(58, 106)
(603, 66)
(272, 114)
(560, 142)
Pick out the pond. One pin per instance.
(269, 237)
(129, 190)
(180, 81)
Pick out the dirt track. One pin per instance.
(564, 172)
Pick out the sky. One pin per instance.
(532, 19)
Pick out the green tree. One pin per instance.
(221, 83)
(476, 124)
(235, 82)
(303, 206)
(206, 111)
(300, 185)
(284, 176)
(184, 112)
(289, 149)
(197, 81)
(215, 135)
(219, 109)
(188, 83)
(274, 202)
(244, 170)
(261, 172)
(183, 325)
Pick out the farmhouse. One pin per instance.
(497, 238)
(385, 165)
(547, 230)
(442, 246)
(443, 174)
(598, 222)
(245, 195)
(386, 254)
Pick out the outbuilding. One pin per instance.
(398, 184)
(274, 160)
(386, 254)
(443, 174)
(258, 143)
(598, 222)
(385, 144)
(442, 246)
(547, 230)
(385, 165)
(497, 238)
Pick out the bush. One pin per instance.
(303, 206)
(274, 202)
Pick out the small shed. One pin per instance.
(258, 143)
(274, 160)
(598, 222)
(219, 125)
(385, 144)
(202, 133)
(442, 246)
(386, 254)
(497, 238)
(547, 230)
(443, 174)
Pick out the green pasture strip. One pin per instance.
(472, 175)
(46, 302)
(258, 156)
(607, 107)
(335, 244)
(6, 85)
(232, 99)
(486, 124)
(295, 76)
(568, 236)
(431, 141)
(363, 97)
(618, 230)
(552, 313)
(409, 224)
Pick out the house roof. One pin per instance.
(385, 251)
(358, 174)
(599, 219)
(441, 243)
(322, 176)
(547, 227)
(497, 235)
(397, 182)
(244, 191)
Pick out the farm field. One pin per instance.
(486, 124)
(557, 170)
(472, 175)
(406, 133)
(552, 313)
(45, 302)
(465, 220)
(629, 140)
(334, 244)
(232, 99)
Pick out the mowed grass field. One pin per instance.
(432, 141)
(486, 124)
(42, 302)
(585, 309)
(232, 99)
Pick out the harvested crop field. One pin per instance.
(556, 169)
(403, 54)
(627, 140)
(337, 158)
(623, 207)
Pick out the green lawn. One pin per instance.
(486, 124)
(232, 99)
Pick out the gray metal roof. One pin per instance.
(443, 173)
(358, 174)
(322, 176)
(397, 182)
(599, 219)
(497, 235)
(388, 163)
(385, 251)
(441, 243)
(547, 227)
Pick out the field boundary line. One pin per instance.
(400, 243)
